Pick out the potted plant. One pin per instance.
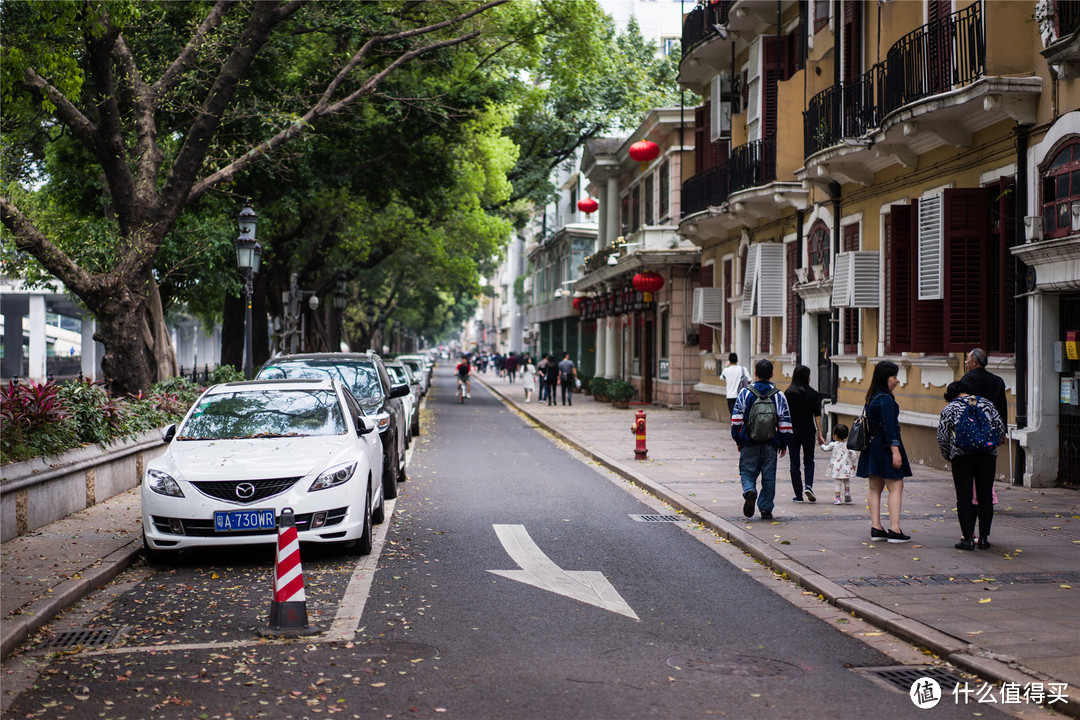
(586, 384)
(599, 389)
(620, 392)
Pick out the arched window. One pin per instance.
(1060, 190)
(817, 247)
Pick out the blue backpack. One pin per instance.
(973, 433)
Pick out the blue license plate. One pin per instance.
(241, 520)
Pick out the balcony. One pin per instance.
(753, 164)
(1059, 25)
(702, 21)
(706, 189)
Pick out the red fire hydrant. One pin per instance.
(638, 429)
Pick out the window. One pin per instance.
(1060, 189)
(817, 249)
(624, 229)
(794, 317)
(650, 185)
(670, 45)
(765, 335)
(821, 14)
(851, 314)
(665, 323)
(705, 333)
(635, 208)
(663, 181)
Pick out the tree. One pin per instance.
(146, 102)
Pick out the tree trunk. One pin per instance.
(161, 350)
(125, 364)
(232, 332)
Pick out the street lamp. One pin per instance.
(341, 299)
(249, 259)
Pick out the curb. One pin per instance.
(951, 649)
(14, 630)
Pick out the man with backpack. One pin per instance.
(969, 432)
(761, 428)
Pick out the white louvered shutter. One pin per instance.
(865, 285)
(716, 116)
(770, 291)
(708, 306)
(841, 283)
(931, 241)
(753, 92)
(749, 282)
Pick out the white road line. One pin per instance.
(351, 608)
(537, 569)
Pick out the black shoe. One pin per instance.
(748, 503)
(965, 544)
(796, 499)
(984, 543)
(876, 534)
(809, 492)
(766, 515)
(898, 537)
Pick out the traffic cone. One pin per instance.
(288, 611)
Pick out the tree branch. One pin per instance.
(81, 126)
(148, 155)
(189, 54)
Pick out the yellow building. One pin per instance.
(894, 180)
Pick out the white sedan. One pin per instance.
(246, 450)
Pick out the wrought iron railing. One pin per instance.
(1068, 16)
(706, 189)
(753, 164)
(933, 59)
(702, 21)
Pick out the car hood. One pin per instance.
(257, 458)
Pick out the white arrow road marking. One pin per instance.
(537, 569)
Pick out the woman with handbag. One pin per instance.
(885, 461)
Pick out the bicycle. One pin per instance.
(461, 391)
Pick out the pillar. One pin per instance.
(611, 211)
(88, 349)
(611, 353)
(601, 347)
(37, 369)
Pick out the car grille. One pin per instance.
(226, 489)
(205, 528)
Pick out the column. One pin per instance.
(88, 349)
(601, 347)
(611, 354)
(37, 370)
(611, 211)
(14, 310)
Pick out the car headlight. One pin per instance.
(163, 484)
(333, 477)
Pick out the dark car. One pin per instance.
(365, 375)
(401, 372)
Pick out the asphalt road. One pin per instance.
(512, 582)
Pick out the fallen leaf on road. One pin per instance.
(986, 600)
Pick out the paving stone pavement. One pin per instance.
(1010, 613)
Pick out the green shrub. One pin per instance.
(620, 391)
(224, 374)
(598, 386)
(34, 421)
(94, 417)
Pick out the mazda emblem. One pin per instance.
(245, 491)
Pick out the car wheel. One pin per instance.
(362, 545)
(415, 429)
(390, 472)
(378, 515)
(158, 557)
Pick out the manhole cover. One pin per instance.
(902, 677)
(85, 637)
(735, 665)
(657, 518)
(390, 652)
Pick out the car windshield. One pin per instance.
(265, 414)
(360, 377)
(397, 373)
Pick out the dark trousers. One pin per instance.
(542, 393)
(510, 374)
(802, 445)
(731, 406)
(551, 393)
(974, 471)
(568, 393)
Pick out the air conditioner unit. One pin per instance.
(708, 306)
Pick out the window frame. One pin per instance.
(1049, 177)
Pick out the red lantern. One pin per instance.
(587, 205)
(648, 282)
(577, 304)
(644, 151)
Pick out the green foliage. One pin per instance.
(599, 386)
(619, 391)
(95, 418)
(34, 421)
(225, 374)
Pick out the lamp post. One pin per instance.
(341, 298)
(248, 258)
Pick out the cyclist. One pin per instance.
(463, 370)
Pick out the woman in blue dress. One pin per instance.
(884, 462)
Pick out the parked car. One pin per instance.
(428, 367)
(246, 450)
(366, 377)
(419, 369)
(401, 372)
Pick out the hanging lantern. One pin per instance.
(644, 151)
(577, 303)
(648, 282)
(588, 205)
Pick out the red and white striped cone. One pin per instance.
(288, 611)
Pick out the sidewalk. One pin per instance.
(1007, 614)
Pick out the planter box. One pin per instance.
(37, 492)
(623, 404)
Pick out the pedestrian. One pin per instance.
(804, 403)
(841, 464)
(528, 376)
(972, 466)
(736, 378)
(985, 383)
(541, 378)
(551, 378)
(761, 429)
(511, 367)
(568, 378)
(885, 461)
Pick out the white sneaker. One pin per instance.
(528, 400)
(468, 395)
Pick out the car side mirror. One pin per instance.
(168, 433)
(399, 390)
(365, 425)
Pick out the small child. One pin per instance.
(843, 462)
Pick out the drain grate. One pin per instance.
(902, 677)
(86, 637)
(657, 518)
